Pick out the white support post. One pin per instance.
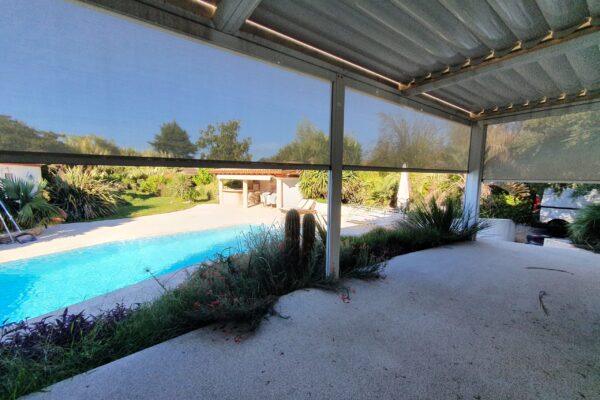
(220, 191)
(279, 191)
(334, 205)
(245, 193)
(475, 171)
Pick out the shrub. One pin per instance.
(520, 210)
(447, 222)
(181, 186)
(153, 184)
(313, 185)
(353, 189)
(26, 202)
(385, 190)
(82, 193)
(585, 230)
(203, 177)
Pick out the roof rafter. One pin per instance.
(231, 14)
(578, 40)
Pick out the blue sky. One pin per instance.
(74, 70)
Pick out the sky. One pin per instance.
(71, 69)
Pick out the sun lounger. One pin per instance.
(305, 206)
(372, 215)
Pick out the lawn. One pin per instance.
(138, 205)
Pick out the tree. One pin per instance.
(173, 141)
(311, 145)
(418, 144)
(17, 136)
(221, 142)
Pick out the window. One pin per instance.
(383, 134)
(561, 148)
(79, 80)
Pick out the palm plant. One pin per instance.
(446, 220)
(26, 202)
(82, 193)
(585, 230)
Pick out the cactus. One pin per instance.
(308, 237)
(292, 240)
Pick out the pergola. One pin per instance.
(474, 62)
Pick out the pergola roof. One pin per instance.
(465, 60)
(480, 55)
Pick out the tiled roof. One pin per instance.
(272, 172)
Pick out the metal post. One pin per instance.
(334, 205)
(245, 193)
(475, 171)
(220, 191)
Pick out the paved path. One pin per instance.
(459, 322)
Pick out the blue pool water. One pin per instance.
(35, 286)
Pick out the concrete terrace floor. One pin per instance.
(458, 322)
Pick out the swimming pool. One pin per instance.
(36, 286)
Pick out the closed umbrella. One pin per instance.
(403, 195)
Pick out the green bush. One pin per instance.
(385, 190)
(448, 222)
(520, 210)
(82, 193)
(313, 185)
(203, 177)
(153, 184)
(181, 186)
(27, 203)
(585, 230)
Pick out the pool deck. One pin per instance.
(72, 236)
(82, 234)
(456, 322)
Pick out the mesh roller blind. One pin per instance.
(383, 134)
(77, 80)
(560, 148)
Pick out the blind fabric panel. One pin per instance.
(383, 134)
(77, 80)
(560, 148)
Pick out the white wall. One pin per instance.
(25, 172)
(291, 192)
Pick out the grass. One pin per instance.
(241, 286)
(139, 205)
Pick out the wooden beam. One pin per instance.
(576, 41)
(231, 14)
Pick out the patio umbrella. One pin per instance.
(403, 190)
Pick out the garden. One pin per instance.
(86, 193)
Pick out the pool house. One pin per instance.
(267, 187)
